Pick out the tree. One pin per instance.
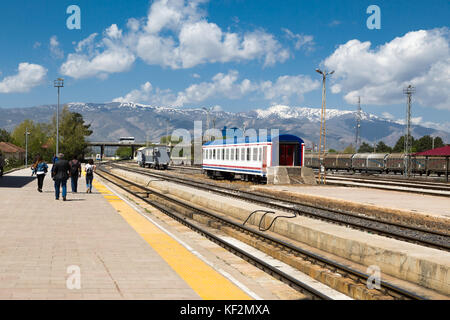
(5, 136)
(365, 147)
(72, 133)
(123, 152)
(349, 149)
(331, 151)
(382, 147)
(400, 145)
(38, 138)
(426, 143)
(166, 139)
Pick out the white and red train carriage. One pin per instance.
(250, 157)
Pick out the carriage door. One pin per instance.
(264, 158)
(287, 154)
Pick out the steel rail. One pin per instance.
(386, 287)
(360, 222)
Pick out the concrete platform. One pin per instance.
(427, 267)
(93, 246)
(415, 203)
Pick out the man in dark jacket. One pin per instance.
(60, 174)
(75, 172)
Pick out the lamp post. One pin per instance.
(322, 138)
(58, 83)
(26, 147)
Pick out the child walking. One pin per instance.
(89, 168)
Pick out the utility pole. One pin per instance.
(322, 138)
(58, 83)
(358, 126)
(408, 140)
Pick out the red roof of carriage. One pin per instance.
(443, 151)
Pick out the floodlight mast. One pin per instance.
(408, 139)
(322, 136)
(58, 83)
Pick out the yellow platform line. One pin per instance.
(202, 278)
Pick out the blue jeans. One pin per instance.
(89, 182)
(74, 183)
(58, 184)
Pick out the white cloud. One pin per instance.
(301, 41)
(287, 86)
(226, 86)
(388, 116)
(420, 58)
(176, 34)
(334, 23)
(28, 76)
(146, 94)
(55, 50)
(113, 32)
(89, 60)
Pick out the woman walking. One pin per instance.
(40, 168)
(89, 168)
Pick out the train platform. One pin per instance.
(97, 246)
(368, 198)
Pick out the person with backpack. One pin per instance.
(90, 169)
(40, 168)
(75, 172)
(60, 174)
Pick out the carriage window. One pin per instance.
(242, 154)
(260, 154)
(227, 155)
(255, 154)
(209, 154)
(248, 154)
(237, 154)
(214, 154)
(223, 154)
(232, 154)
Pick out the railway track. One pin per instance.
(397, 231)
(388, 178)
(435, 189)
(383, 183)
(143, 193)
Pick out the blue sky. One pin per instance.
(236, 54)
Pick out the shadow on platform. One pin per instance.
(14, 181)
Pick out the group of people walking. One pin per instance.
(61, 171)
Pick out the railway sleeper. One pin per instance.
(334, 280)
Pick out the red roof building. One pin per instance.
(438, 152)
(11, 151)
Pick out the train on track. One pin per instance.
(378, 162)
(250, 157)
(154, 157)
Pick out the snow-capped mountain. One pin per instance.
(109, 121)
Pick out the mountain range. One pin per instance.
(109, 121)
